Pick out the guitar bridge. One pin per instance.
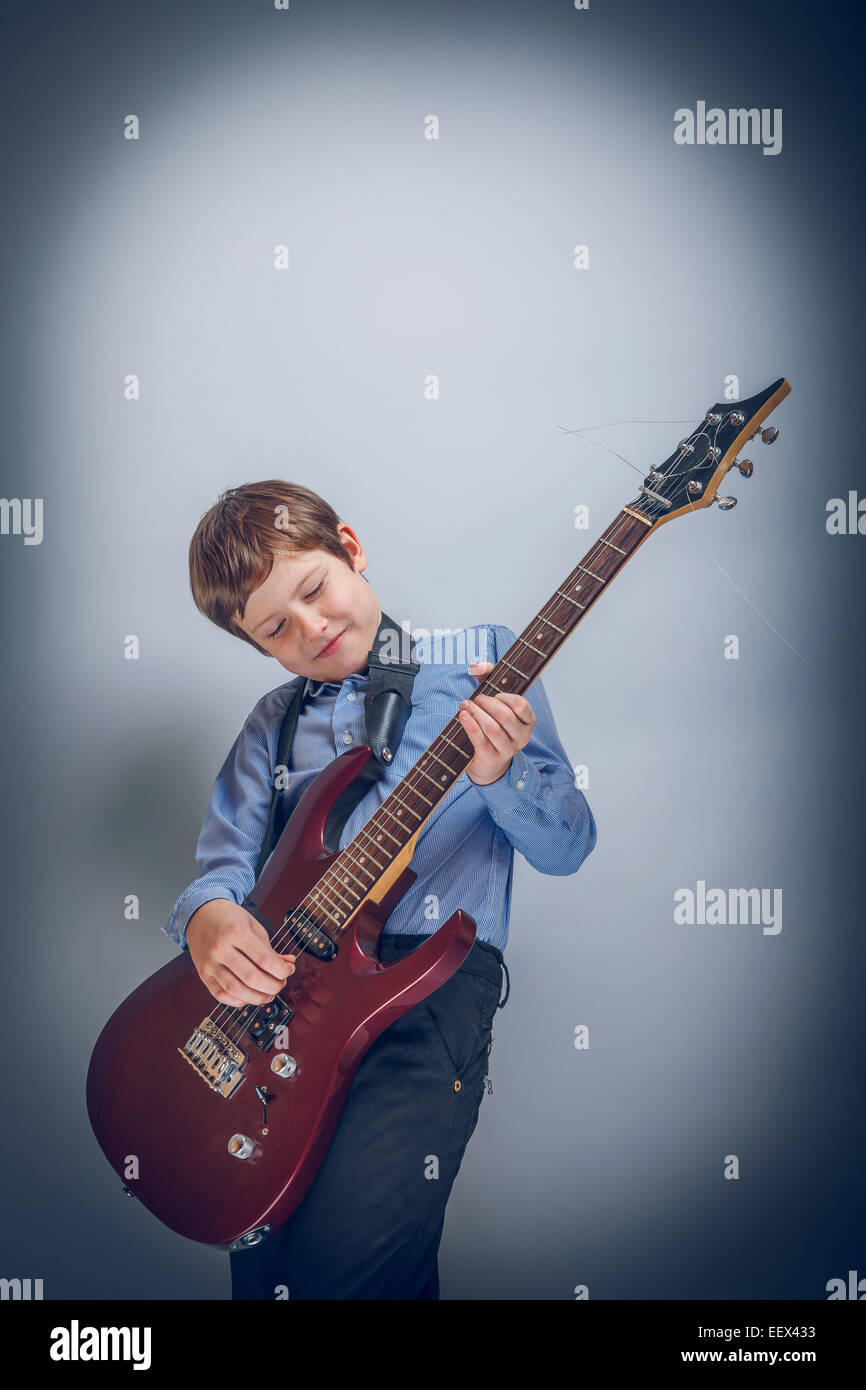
(216, 1059)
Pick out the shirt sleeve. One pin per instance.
(234, 825)
(536, 803)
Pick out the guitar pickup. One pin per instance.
(307, 935)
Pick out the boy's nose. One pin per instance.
(313, 629)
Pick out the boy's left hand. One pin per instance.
(498, 725)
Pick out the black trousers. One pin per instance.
(370, 1225)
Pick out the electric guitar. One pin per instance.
(218, 1118)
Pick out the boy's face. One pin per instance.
(310, 601)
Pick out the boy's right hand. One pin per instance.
(232, 953)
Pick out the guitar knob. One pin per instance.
(769, 435)
(284, 1065)
(239, 1146)
(726, 503)
(746, 467)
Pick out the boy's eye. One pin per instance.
(312, 594)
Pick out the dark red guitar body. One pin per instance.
(155, 1116)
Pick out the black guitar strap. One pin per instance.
(392, 666)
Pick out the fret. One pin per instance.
(334, 917)
(527, 643)
(345, 877)
(335, 889)
(367, 849)
(431, 754)
(419, 768)
(571, 600)
(415, 792)
(560, 630)
(404, 806)
(604, 540)
(360, 867)
(370, 855)
(387, 832)
(352, 894)
(591, 575)
(457, 745)
(503, 662)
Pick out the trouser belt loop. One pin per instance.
(503, 1002)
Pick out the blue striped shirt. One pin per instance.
(464, 855)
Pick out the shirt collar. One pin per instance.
(312, 689)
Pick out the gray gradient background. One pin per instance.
(407, 257)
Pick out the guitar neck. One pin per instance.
(357, 868)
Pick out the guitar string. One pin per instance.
(592, 554)
(294, 938)
(775, 630)
(219, 1018)
(322, 886)
(599, 445)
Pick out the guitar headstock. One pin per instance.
(690, 477)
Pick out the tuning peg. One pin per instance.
(746, 467)
(769, 435)
(725, 503)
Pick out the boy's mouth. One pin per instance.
(332, 646)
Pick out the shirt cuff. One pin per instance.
(521, 783)
(175, 928)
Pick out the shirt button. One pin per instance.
(520, 785)
(347, 737)
(351, 695)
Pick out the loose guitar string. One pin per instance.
(322, 886)
(743, 595)
(599, 445)
(781, 636)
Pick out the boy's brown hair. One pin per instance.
(233, 548)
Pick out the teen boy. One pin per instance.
(273, 564)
